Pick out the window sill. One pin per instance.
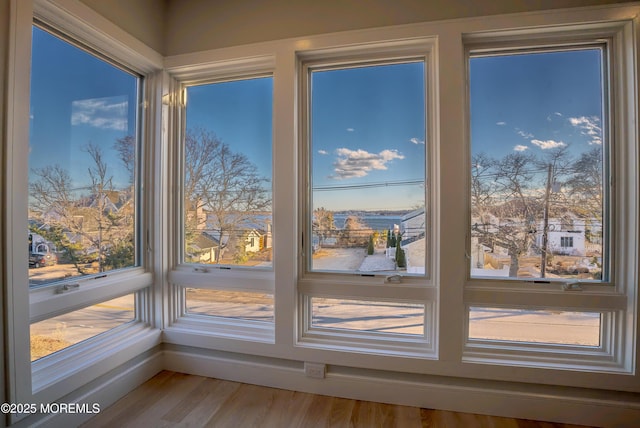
(60, 373)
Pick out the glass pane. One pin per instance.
(57, 333)
(230, 304)
(538, 143)
(368, 169)
(538, 326)
(227, 166)
(359, 315)
(82, 163)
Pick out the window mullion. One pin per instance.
(449, 188)
(285, 202)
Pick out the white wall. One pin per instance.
(195, 25)
(143, 19)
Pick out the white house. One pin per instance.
(565, 236)
(412, 225)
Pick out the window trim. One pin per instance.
(205, 276)
(614, 298)
(412, 345)
(74, 20)
(224, 76)
(420, 289)
(367, 55)
(554, 355)
(47, 297)
(564, 38)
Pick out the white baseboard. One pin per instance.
(514, 400)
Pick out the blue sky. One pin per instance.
(535, 102)
(367, 123)
(76, 100)
(368, 126)
(240, 114)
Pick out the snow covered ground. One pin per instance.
(352, 259)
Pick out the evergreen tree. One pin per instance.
(401, 259)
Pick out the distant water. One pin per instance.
(375, 222)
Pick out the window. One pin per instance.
(82, 176)
(62, 331)
(547, 148)
(535, 326)
(539, 148)
(230, 304)
(82, 163)
(79, 278)
(368, 127)
(227, 173)
(566, 241)
(368, 165)
(381, 317)
(227, 235)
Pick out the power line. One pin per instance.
(566, 170)
(369, 185)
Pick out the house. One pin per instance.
(412, 225)
(204, 248)
(565, 236)
(428, 354)
(412, 228)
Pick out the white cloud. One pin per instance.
(358, 163)
(520, 148)
(588, 126)
(551, 116)
(104, 113)
(350, 129)
(501, 123)
(415, 140)
(549, 144)
(323, 152)
(523, 134)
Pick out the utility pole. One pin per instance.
(545, 226)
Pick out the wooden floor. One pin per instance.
(177, 400)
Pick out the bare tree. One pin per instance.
(355, 231)
(223, 190)
(103, 212)
(52, 202)
(506, 202)
(324, 224)
(586, 183)
(94, 218)
(126, 148)
(514, 198)
(483, 188)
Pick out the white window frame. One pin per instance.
(411, 289)
(614, 297)
(50, 378)
(205, 276)
(449, 287)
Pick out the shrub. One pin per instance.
(401, 259)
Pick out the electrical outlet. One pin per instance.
(315, 370)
